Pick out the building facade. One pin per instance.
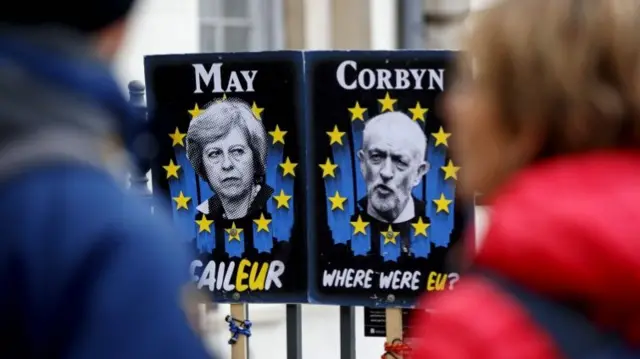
(189, 26)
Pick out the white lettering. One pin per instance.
(349, 77)
(276, 269)
(348, 278)
(193, 267)
(235, 83)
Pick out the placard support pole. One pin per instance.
(239, 349)
(347, 332)
(294, 331)
(393, 326)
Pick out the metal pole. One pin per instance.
(294, 331)
(347, 332)
(139, 181)
(411, 23)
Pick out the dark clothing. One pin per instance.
(84, 16)
(565, 229)
(257, 207)
(216, 210)
(85, 269)
(378, 226)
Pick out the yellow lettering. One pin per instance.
(436, 281)
(431, 281)
(441, 279)
(256, 280)
(242, 275)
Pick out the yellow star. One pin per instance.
(420, 228)
(224, 97)
(328, 169)
(233, 232)
(442, 203)
(418, 112)
(282, 199)
(360, 226)
(178, 138)
(288, 167)
(337, 202)
(257, 111)
(387, 103)
(450, 171)
(204, 224)
(172, 169)
(181, 201)
(278, 135)
(195, 112)
(262, 223)
(335, 136)
(389, 236)
(357, 112)
(441, 137)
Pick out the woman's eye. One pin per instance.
(237, 151)
(213, 154)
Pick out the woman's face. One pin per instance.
(479, 145)
(228, 163)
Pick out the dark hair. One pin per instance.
(83, 16)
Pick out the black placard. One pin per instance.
(228, 129)
(383, 185)
(375, 322)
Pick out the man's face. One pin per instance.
(391, 167)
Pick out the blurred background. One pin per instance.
(191, 26)
(188, 26)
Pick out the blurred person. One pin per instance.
(545, 118)
(85, 271)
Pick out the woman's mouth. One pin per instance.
(230, 180)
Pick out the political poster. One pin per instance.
(384, 186)
(228, 132)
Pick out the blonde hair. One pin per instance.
(566, 70)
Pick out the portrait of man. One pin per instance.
(227, 147)
(392, 161)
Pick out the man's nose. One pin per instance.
(227, 164)
(386, 171)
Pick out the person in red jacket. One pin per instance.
(545, 116)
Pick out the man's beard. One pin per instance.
(388, 206)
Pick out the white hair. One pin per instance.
(397, 121)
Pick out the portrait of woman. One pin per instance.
(227, 147)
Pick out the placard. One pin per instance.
(374, 322)
(228, 133)
(384, 187)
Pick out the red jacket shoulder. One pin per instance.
(477, 321)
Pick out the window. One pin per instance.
(238, 25)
